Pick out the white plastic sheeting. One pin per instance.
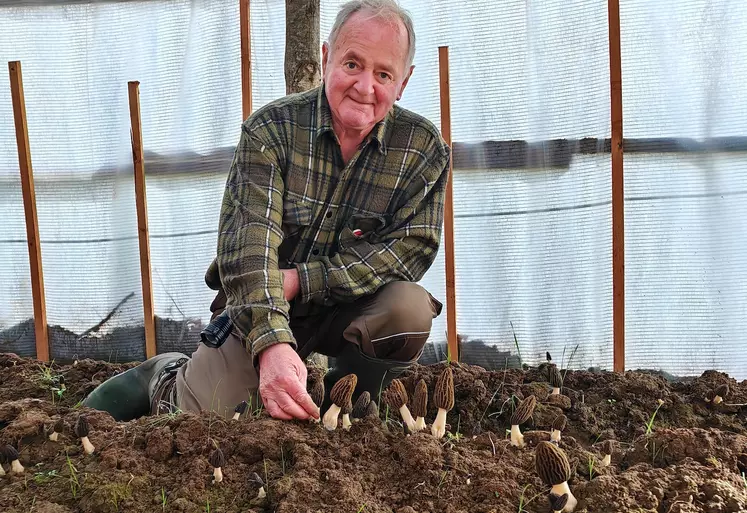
(533, 242)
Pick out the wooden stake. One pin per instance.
(142, 218)
(618, 190)
(246, 58)
(451, 324)
(29, 208)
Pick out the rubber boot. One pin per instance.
(127, 396)
(374, 374)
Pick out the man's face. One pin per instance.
(365, 72)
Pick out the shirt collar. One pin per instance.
(379, 132)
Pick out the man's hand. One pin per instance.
(282, 384)
(291, 283)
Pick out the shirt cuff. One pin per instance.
(313, 280)
(268, 334)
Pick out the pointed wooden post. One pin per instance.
(29, 209)
(618, 190)
(451, 321)
(142, 219)
(246, 58)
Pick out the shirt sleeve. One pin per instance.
(403, 251)
(249, 234)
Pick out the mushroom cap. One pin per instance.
(342, 391)
(241, 408)
(347, 408)
(59, 426)
(443, 397)
(606, 447)
(317, 392)
(722, 391)
(216, 458)
(551, 464)
(396, 395)
(359, 410)
(554, 376)
(558, 502)
(81, 427)
(372, 410)
(420, 399)
(8, 454)
(524, 410)
(560, 422)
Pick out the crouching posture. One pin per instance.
(332, 212)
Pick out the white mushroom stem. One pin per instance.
(54, 436)
(717, 399)
(87, 445)
(555, 435)
(555, 391)
(517, 438)
(420, 424)
(331, 416)
(560, 489)
(2, 471)
(261, 494)
(439, 425)
(404, 411)
(606, 460)
(236, 416)
(16, 467)
(217, 475)
(346, 421)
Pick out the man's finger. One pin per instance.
(291, 407)
(275, 411)
(299, 394)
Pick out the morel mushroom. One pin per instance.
(606, 448)
(558, 426)
(240, 410)
(10, 455)
(217, 460)
(317, 392)
(420, 404)
(553, 468)
(341, 394)
(558, 502)
(443, 398)
(396, 398)
(56, 430)
(720, 393)
(346, 410)
(82, 430)
(522, 413)
(372, 410)
(361, 405)
(555, 379)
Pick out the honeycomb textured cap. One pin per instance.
(342, 391)
(8, 454)
(420, 399)
(722, 391)
(524, 410)
(347, 408)
(396, 395)
(606, 447)
(558, 502)
(216, 458)
(81, 427)
(551, 464)
(372, 410)
(241, 408)
(560, 422)
(59, 426)
(443, 397)
(554, 376)
(359, 410)
(317, 392)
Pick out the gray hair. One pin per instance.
(388, 10)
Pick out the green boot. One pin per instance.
(128, 395)
(374, 374)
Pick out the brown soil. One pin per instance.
(691, 461)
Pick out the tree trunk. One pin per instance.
(302, 66)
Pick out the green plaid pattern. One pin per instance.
(290, 202)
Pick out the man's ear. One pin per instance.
(404, 82)
(325, 56)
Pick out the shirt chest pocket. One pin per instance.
(362, 227)
(297, 219)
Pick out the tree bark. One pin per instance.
(302, 63)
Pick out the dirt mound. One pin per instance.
(688, 457)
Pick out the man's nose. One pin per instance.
(364, 84)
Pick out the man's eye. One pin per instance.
(350, 65)
(384, 76)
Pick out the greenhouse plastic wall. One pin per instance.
(530, 108)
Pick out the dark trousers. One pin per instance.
(386, 330)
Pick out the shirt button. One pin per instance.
(316, 251)
(329, 214)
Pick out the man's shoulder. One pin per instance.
(291, 109)
(424, 132)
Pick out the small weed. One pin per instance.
(45, 477)
(207, 505)
(570, 359)
(441, 482)
(360, 510)
(591, 467)
(516, 343)
(74, 484)
(744, 479)
(522, 503)
(650, 423)
(163, 499)
(712, 460)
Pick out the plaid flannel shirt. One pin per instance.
(290, 201)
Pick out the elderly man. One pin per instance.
(332, 211)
